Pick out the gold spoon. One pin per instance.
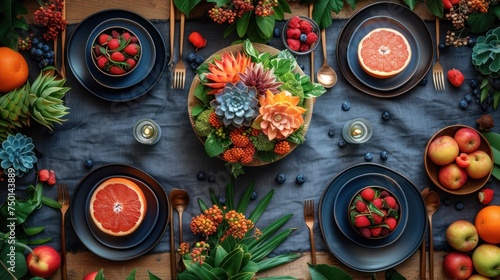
(180, 202)
(423, 261)
(326, 75)
(432, 201)
(173, 260)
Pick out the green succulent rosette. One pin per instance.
(486, 54)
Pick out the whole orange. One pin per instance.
(13, 70)
(488, 224)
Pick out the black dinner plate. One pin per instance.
(79, 204)
(390, 83)
(360, 257)
(343, 200)
(144, 65)
(76, 58)
(416, 26)
(144, 229)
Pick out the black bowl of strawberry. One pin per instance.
(300, 35)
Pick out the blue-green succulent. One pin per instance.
(17, 153)
(486, 53)
(237, 104)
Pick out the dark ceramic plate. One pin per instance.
(344, 197)
(76, 58)
(79, 203)
(415, 25)
(360, 257)
(143, 67)
(143, 231)
(352, 54)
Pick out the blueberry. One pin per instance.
(300, 179)
(495, 83)
(32, 51)
(302, 66)
(476, 92)
(194, 66)
(89, 163)
(45, 48)
(443, 47)
(459, 206)
(463, 104)
(346, 106)
(50, 54)
(447, 201)
(471, 42)
(303, 38)
(211, 179)
(341, 143)
(254, 195)
(50, 61)
(39, 46)
(386, 116)
(222, 200)
(423, 82)
(39, 52)
(331, 132)
(384, 155)
(191, 57)
(280, 178)
(276, 32)
(199, 59)
(201, 175)
(35, 41)
(484, 107)
(474, 83)
(368, 156)
(468, 98)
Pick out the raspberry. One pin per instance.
(293, 33)
(455, 77)
(361, 221)
(391, 222)
(294, 22)
(304, 47)
(102, 61)
(282, 147)
(311, 38)
(115, 70)
(305, 27)
(378, 202)
(104, 38)
(390, 202)
(361, 206)
(293, 44)
(365, 232)
(117, 56)
(368, 194)
(377, 219)
(375, 232)
(113, 44)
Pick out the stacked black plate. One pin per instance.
(121, 248)
(135, 84)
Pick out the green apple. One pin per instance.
(486, 260)
(480, 165)
(443, 150)
(462, 235)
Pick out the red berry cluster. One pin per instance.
(236, 8)
(300, 35)
(49, 14)
(116, 53)
(374, 212)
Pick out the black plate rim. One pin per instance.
(411, 238)
(409, 19)
(79, 69)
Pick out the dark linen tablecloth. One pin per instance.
(102, 131)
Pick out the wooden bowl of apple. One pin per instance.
(458, 159)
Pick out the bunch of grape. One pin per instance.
(42, 53)
(458, 15)
(49, 15)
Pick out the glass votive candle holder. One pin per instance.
(357, 131)
(146, 131)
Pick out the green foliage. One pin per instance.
(494, 141)
(327, 272)
(11, 22)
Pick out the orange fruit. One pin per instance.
(13, 70)
(118, 206)
(488, 224)
(384, 53)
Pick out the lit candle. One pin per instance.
(357, 131)
(146, 131)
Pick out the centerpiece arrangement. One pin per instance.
(251, 107)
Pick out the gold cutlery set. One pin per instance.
(178, 200)
(178, 77)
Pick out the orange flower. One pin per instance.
(279, 115)
(226, 70)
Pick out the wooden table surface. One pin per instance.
(79, 264)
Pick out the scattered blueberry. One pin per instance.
(191, 57)
(463, 104)
(474, 83)
(386, 116)
(211, 179)
(471, 43)
(468, 98)
(459, 206)
(254, 195)
(280, 178)
(384, 155)
(199, 59)
(300, 179)
(331, 132)
(443, 47)
(201, 175)
(302, 66)
(222, 200)
(423, 82)
(447, 201)
(276, 32)
(341, 143)
(368, 156)
(89, 163)
(194, 66)
(346, 106)
(303, 38)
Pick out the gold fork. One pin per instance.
(180, 69)
(171, 63)
(437, 70)
(309, 219)
(63, 199)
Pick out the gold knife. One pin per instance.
(173, 255)
(312, 53)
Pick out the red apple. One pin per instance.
(457, 266)
(480, 164)
(478, 277)
(463, 160)
(443, 150)
(468, 139)
(43, 262)
(452, 177)
(462, 235)
(91, 276)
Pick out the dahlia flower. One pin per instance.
(226, 70)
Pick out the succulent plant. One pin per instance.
(226, 70)
(260, 78)
(17, 153)
(236, 104)
(486, 53)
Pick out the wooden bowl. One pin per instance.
(432, 169)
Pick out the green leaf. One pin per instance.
(201, 271)
(242, 24)
(279, 278)
(496, 155)
(39, 241)
(496, 172)
(131, 276)
(152, 276)
(326, 272)
(30, 231)
(245, 199)
(265, 25)
(50, 202)
(196, 110)
(201, 93)
(17, 267)
(268, 231)
(232, 262)
(392, 274)
(322, 11)
(267, 156)
(230, 194)
(261, 207)
(269, 263)
(262, 251)
(493, 139)
(242, 276)
(213, 147)
(411, 3)
(480, 22)
(202, 205)
(11, 22)
(220, 254)
(186, 6)
(435, 7)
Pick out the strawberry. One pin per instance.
(377, 219)
(197, 40)
(113, 44)
(131, 63)
(361, 206)
(384, 193)
(133, 39)
(375, 232)
(97, 50)
(391, 223)
(132, 49)
(311, 38)
(305, 27)
(104, 38)
(117, 56)
(361, 221)
(455, 77)
(293, 44)
(126, 36)
(115, 34)
(485, 195)
(293, 33)
(115, 70)
(368, 194)
(294, 22)
(390, 202)
(304, 47)
(365, 232)
(43, 175)
(102, 62)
